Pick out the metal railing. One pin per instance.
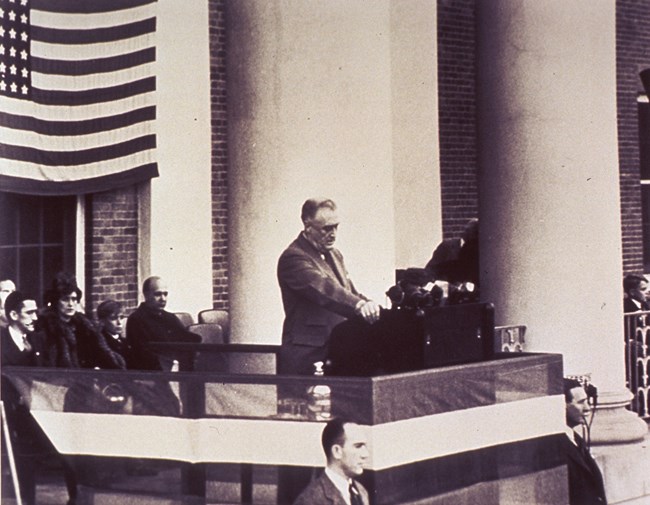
(637, 361)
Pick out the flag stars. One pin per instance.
(2, 49)
(3, 67)
(23, 19)
(24, 72)
(23, 55)
(2, 31)
(23, 2)
(24, 89)
(13, 70)
(3, 86)
(12, 51)
(12, 15)
(23, 36)
(2, 12)
(13, 87)
(12, 34)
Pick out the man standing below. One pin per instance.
(150, 322)
(346, 450)
(317, 293)
(585, 480)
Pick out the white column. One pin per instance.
(549, 191)
(180, 210)
(311, 95)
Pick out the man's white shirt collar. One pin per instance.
(570, 432)
(341, 483)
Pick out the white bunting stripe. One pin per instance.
(261, 441)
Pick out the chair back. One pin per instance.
(211, 333)
(218, 316)
(185, 317)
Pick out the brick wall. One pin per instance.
(112, 248)
(456, 101)
(458, 149)
(219, 155)
(632, 55)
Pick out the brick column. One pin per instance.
(549, 190)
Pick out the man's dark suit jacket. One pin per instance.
(146, 325)
(315, 298)
(630, 306)
(586, 485)
(12, 356)
(322, 491)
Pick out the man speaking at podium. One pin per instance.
(317, 293)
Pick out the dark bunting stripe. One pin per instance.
(109, 94)
(91, 185)
(71, 158)
(95, 35)
(94, 66)
(86, 6)
(74, 128)
(438, 476)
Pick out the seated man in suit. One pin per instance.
(317, 293)
(346, 449)
(20, 346)
(637, 293)
(585, 480)
(150, 322)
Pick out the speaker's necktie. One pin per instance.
(355, 496)
(332, 264)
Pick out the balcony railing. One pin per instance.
(637, 358)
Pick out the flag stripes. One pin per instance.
(79, 104)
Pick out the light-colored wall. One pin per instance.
(313, 88)
(180, 238)
(416, 164)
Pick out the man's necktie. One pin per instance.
(355, 496)
(27, 347)
(332, 264)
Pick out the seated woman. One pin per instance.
(71, 339)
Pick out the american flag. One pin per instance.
(77, 94)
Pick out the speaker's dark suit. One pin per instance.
(316, 297)
(585, 480)
(322, 491)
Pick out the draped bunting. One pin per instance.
(77, 95)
